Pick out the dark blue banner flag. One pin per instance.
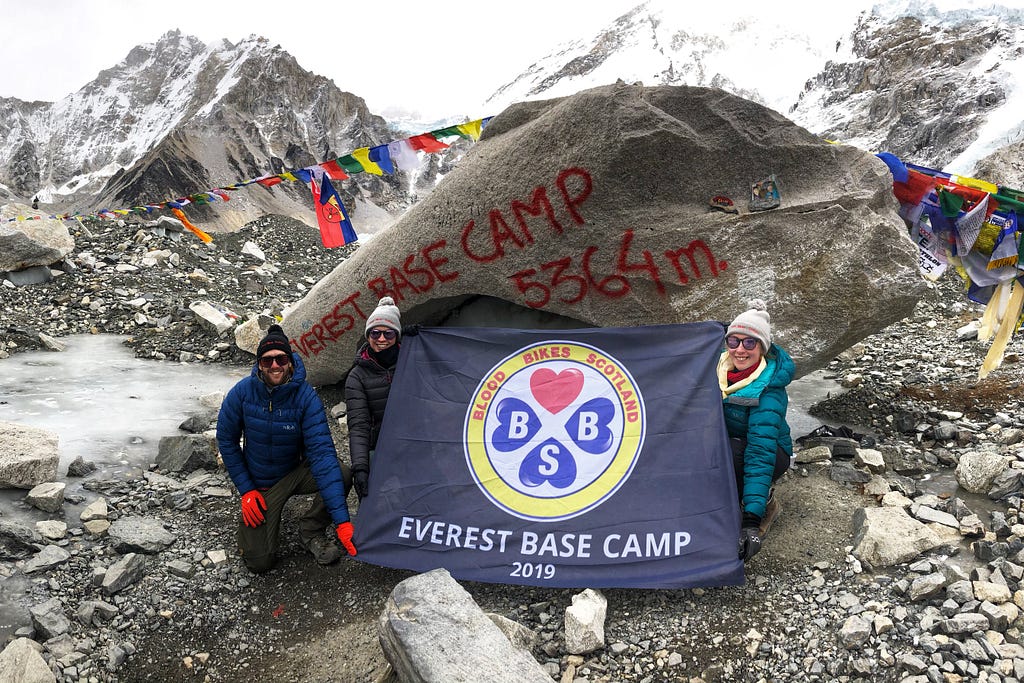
(570, 458)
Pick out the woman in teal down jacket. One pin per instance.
(753, 374)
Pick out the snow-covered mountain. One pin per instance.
(178, 117)
(937, 86)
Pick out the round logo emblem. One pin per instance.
(554, 430)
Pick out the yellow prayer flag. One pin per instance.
(1010, 315)
(471, 128)
(362, 155)
(991, 188)
(287, 176)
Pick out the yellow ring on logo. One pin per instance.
(564, 507)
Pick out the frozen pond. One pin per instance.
(105, 405)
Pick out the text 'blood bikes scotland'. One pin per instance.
(594, 458)
(554, 430)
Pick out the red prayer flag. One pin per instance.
(333, 170)
(426, 142)
(269, 181)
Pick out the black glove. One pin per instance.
(411, 330)
(750, 542)
(750, 536)
(361, 483)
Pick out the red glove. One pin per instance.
(252, 514)
(345, 536)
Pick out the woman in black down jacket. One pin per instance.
(368, 385)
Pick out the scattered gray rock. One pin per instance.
(123, 573)
(48, 496)
(46, 559)
(978, 469)
(48, 618)
(28, 456)
(888, 535)
(79, 467)
(584, 622)
(186, 453)
(17, 541)
(145, 535)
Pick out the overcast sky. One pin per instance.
(429, 58)
(434, 58)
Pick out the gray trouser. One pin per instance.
(259, 544)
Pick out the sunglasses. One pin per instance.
(270, 361)
(387, 334)
(749, 343)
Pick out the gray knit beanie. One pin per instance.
(754, 322)
(385, 315)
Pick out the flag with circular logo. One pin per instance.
(571, 458)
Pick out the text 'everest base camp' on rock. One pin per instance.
(592, 210)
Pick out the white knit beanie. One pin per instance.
(385, 315)
(754, 322)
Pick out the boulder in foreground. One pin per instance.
(432, 631)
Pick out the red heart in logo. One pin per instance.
(554, 391)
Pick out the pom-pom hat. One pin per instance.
(754, 322)
(385, 315)
(276, 340)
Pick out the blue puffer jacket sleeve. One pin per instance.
(323, 458)
(758, 413)
(264, 433)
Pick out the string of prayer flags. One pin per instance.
(973, 225)
(397, 155)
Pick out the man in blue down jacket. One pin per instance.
(273, 436)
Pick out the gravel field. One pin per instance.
(810, 611)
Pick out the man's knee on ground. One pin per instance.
(258, 564)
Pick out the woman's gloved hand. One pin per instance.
(750, 542)
(750, 536)
(361, 483)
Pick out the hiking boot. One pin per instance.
(323, 550)
(771, 511)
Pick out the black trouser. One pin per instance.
(739, 445)
(259, 544)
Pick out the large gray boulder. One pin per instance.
(592, 210)
(431, 630)
(37, 242)
(28, 456)
(887, 536)
(21, 662)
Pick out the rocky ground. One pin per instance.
(810, 610)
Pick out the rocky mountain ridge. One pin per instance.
(934, 86)
(179, 116)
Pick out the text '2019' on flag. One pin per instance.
(597, 457)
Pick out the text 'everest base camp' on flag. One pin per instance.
(595, 459)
